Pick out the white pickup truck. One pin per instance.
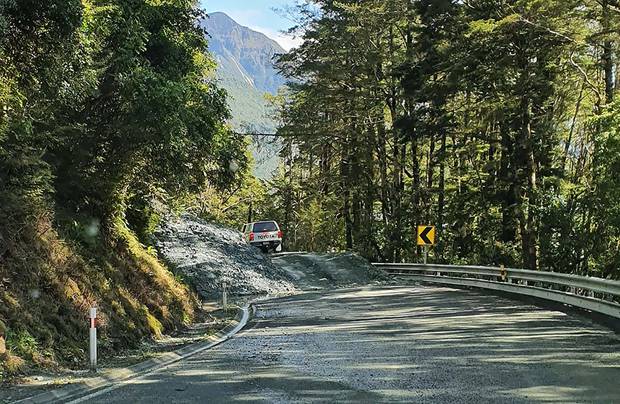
(264, 235)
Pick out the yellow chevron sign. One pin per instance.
(426, 235)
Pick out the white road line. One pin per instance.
(239, 327)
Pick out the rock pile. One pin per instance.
(207, 255)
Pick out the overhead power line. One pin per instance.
(277, 135)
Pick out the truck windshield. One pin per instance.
(262, 227)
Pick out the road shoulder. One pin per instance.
(116, 376)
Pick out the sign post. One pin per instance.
(93, 339)
(426, 239)
(224, 297)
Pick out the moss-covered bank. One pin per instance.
(48, 283)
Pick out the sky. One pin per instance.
(257, 15)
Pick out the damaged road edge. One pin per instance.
(116, 378)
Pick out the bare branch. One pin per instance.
(586, 78)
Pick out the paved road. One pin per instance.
(396, 344)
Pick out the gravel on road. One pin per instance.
(207, 255)
(315, 271)
(396, 344)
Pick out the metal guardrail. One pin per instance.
(594, 294)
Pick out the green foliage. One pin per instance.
(485, 118)
(142, 217)
(106, 107)
(232, 207)
(605, 230)
(22, 343)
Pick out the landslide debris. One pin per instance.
(207, 255)
(313, 271)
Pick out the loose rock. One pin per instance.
(207, 255)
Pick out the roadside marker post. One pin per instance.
(93, 339)
(224, 297)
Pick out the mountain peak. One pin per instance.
(251, 53)
(222, 22)
(221, 15)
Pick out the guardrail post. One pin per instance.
(503, 273)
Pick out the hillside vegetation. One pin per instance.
(104, 108)
(496, 121)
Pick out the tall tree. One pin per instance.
(476, 116)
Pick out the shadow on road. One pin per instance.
(398, 344)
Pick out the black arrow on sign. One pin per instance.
(424, 235)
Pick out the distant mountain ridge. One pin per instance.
(250, 53)
(246, 71)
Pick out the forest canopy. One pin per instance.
(107, 107)
(495, 120)
(105, 100)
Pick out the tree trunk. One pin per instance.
(608, 57)
(527, 194)
(396, 186)
(430, 177)
(508, 188)
(369, 191)
(442, 195)
(345, 166)
(415, 190)
(348, 221)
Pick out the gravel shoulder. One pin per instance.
(210, 320)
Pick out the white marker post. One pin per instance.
(93, 339)
(224, 295)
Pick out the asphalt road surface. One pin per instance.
(396, 344)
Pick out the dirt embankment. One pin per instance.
(207, 255)
(51, 274)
